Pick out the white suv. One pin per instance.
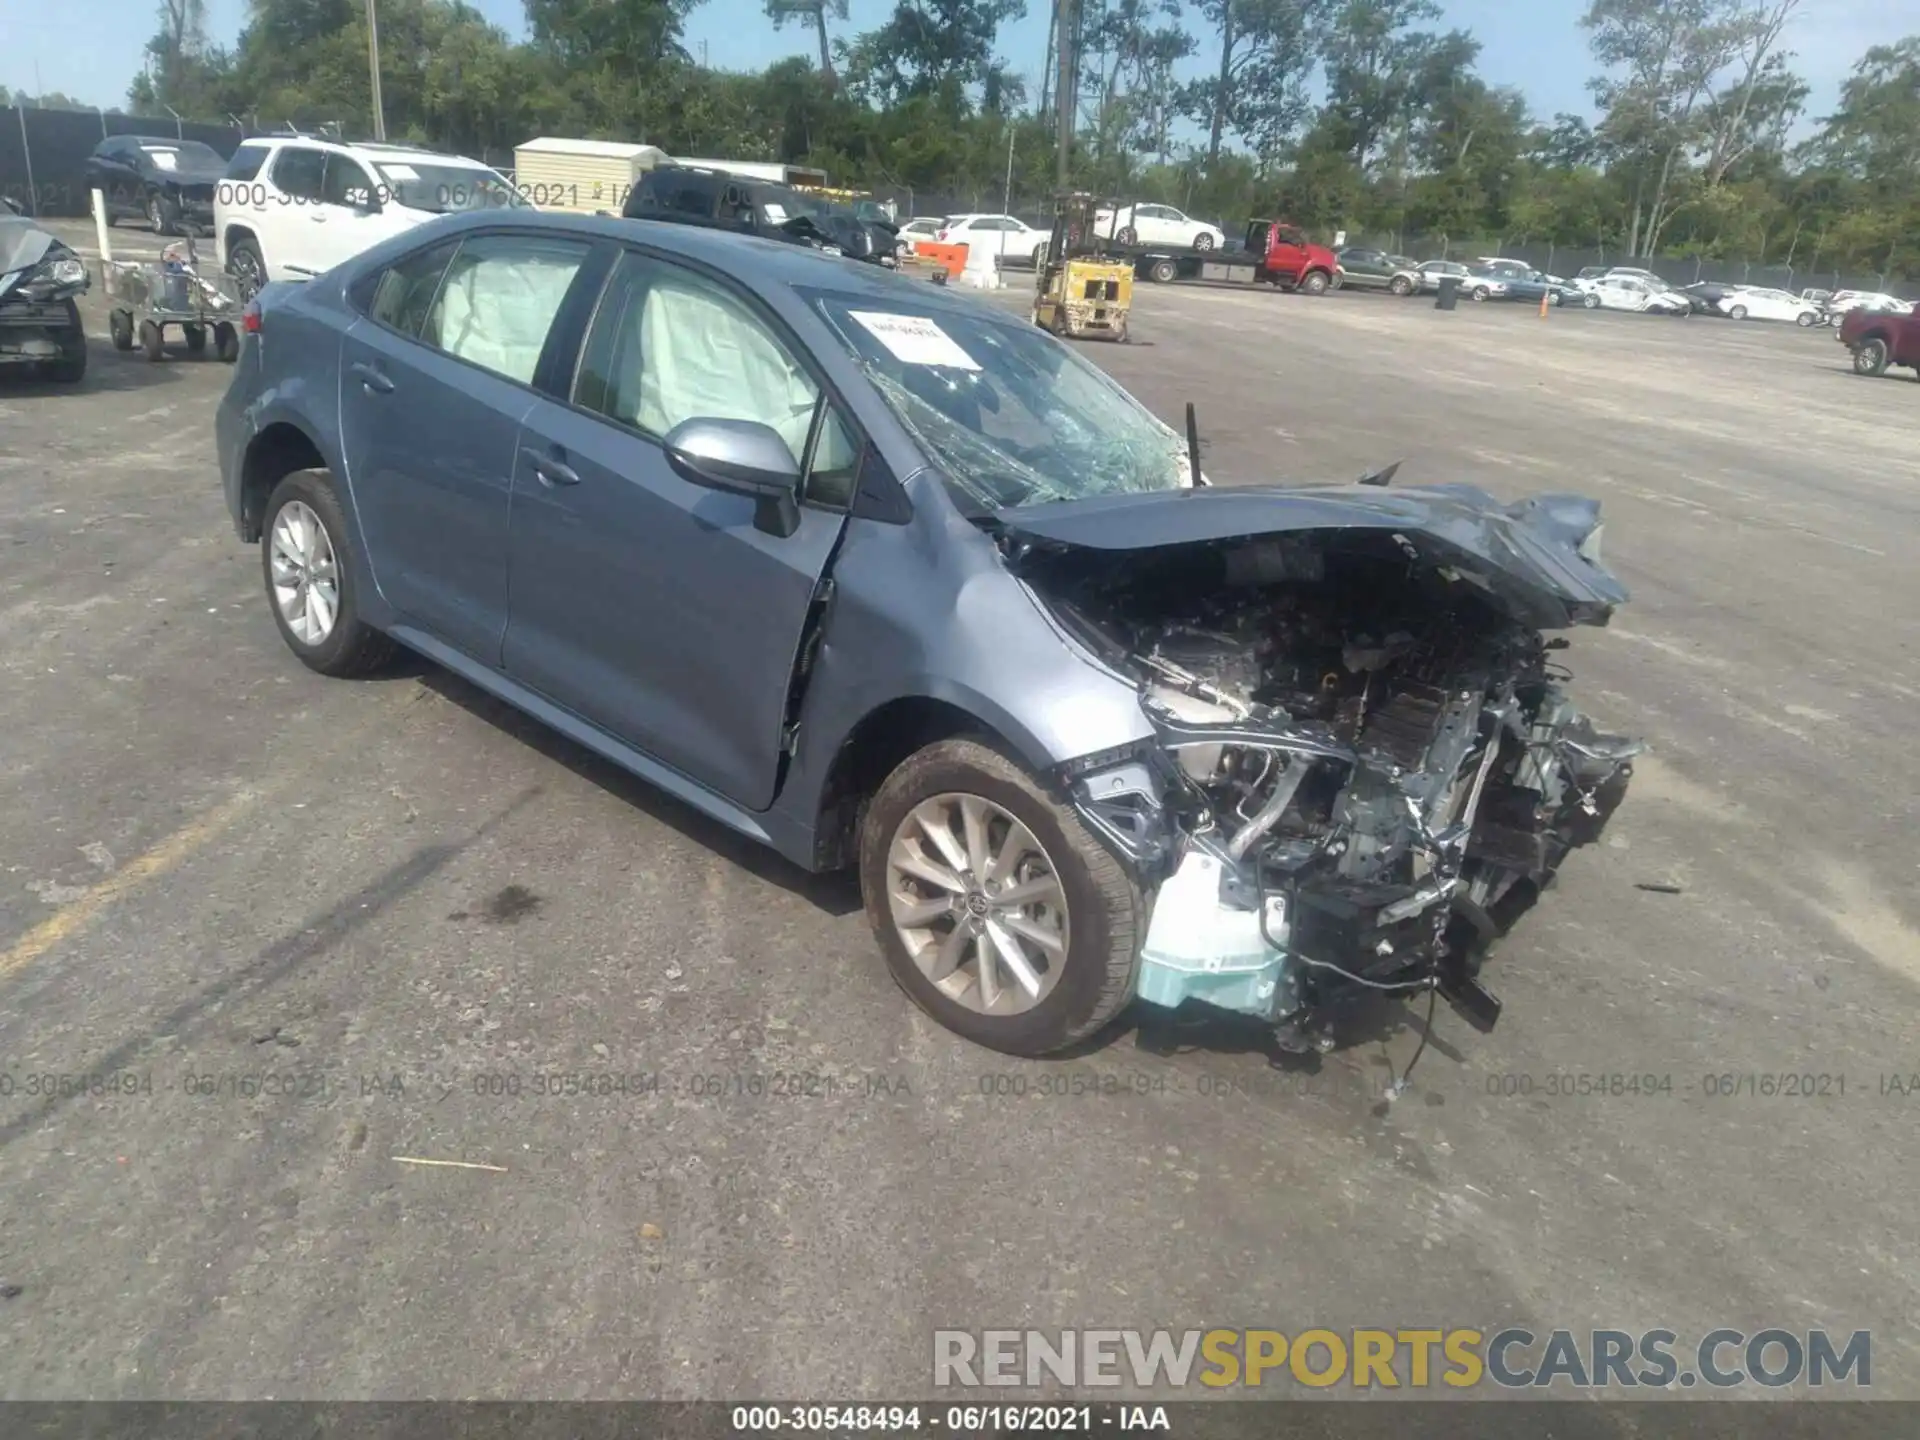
(292, 206)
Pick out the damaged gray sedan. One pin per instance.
(887, 579)
(41, 277)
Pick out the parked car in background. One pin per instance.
(1705, 296)
(1593, 274)
(1484, 284)
(1878, 339)
(1630, 292)
(1144, 224)
(1426, 276)
(895, 583)
(1365, 268)
(292, 207)
(166, 182)
(1005, 236)
(41, 278)
(1844, 302)
(1532, 286)
(1755, 302)
(921, 227)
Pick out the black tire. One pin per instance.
(1107, 913)
(152, 341)
(120, 329)
(1481, 293)
(71, 367)
(196, 338)
(1203, 242)
(1400, 285)
(1870, 357)
(1553, 297)
(1737, 312)
(1591, 302)
(1806, 319)
(163, 214)
(1125, 237)
(352, 648)
(1317, 282)
(1163, 271)
(248, 268)
(226, 342)
(1040, 255)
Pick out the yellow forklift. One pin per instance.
(1081, 291)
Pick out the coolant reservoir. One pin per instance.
(1200, 949)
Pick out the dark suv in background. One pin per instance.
(694, 195)
(168, 183)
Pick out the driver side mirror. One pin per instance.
(740, 457)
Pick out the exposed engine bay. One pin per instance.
(1368, 767)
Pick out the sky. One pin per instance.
(1536, 46)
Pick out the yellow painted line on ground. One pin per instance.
(77, 914)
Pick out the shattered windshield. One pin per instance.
(1010, 415)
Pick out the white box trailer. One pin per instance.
(583, 176)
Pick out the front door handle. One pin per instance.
(552, 471)
(371, 379)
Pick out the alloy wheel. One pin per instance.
(978, 904)
(306, 574)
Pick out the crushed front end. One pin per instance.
(1367, 766)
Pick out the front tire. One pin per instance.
(71, 367)
(1806, 319)
(1400, 285)
(1481, 293)
(1125, 237)
(1870, 357)
(997, 911)
(1591, 302)
(1738, 312)
(1316, 283)
(1203, 242)
(163, 216)
(310, 579)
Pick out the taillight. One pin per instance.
(250, 318)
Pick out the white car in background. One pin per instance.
(922, 227)
(1630, 292)
(1844, 300)
(1757, 302)
(1005, 236)
(292, 206)
(1145, 224)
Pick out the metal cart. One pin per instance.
(147, 297)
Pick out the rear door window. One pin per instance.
(300, 172)
(404, 295)
(246, 162)
(499, 300)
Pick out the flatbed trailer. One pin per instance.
(1274, 253)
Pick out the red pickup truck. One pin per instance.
(1878, 338)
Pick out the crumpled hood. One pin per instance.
(1526, 553)
(23, 243)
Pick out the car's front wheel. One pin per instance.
(999, 913)
(1870, 357)
(310, 584)
(163, 215)
(1203, 241)
(1806, 319)
(1738, 312)
(1592, 302)
(1400, 285)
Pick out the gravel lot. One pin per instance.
(406, 902)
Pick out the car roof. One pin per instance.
(758, 263)
(371, 149)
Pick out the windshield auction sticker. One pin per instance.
(915, 340)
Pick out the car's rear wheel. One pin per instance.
(310, 584)
(1203, 241)
(1870, 357)
(998, 912)
(248, 268)
(1164, 271)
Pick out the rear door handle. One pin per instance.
(552, 471)
(371, 379)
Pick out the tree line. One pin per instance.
(1363, 115)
